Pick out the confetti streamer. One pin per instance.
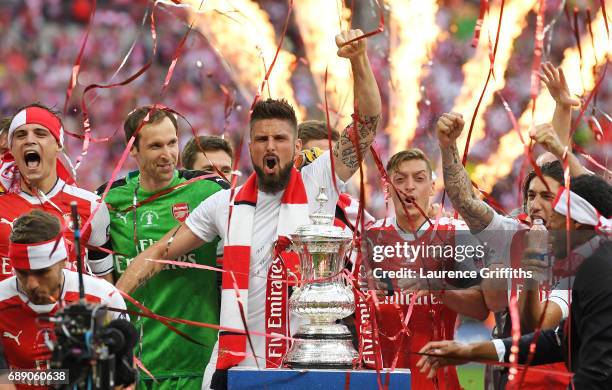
(77, 63)
(484, 6)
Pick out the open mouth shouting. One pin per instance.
(408, 201)
(32, 159)
(270, 164)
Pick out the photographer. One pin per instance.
(40, 287)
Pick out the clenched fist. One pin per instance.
(449, 128)
(353, 49)
(546, 136)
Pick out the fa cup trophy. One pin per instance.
(323, 297)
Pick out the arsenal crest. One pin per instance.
(180, 211)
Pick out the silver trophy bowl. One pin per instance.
(322, 297)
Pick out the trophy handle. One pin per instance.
(290, 274)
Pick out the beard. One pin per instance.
(39, 296)
(273, 184)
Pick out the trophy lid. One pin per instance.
(322, 227)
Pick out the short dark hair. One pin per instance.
(207, 143)
(35, 226)
(552, 169)
(407, 155)
(314, 130)
(274, 109)
(134, 118)
(40, 105)
(594, 190)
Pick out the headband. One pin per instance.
(40, 116)
(581, 211)
(37, 255)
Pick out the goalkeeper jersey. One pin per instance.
(140, 218)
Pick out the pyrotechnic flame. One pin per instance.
(319, 22)
(413, 31)
(475, 70)
(510, 146)
(244, 37)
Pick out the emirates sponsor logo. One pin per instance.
(276, 310)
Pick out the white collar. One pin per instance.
(409, 236)
(43, 198)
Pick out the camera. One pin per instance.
(96, 353)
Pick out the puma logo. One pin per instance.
(122, 216)
(12, 336)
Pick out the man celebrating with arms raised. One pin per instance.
(273, 202)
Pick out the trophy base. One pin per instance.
(320, 346)
(253, 378)
(317, 366)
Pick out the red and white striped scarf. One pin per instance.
(236, 258)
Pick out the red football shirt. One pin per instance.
(431, 320)
(57, 202)
(23, 331)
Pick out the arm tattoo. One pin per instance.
(144, 279)
(344, 150)
(476, 213)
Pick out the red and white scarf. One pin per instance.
(236, 258)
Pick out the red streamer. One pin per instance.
(280, 44)
(77, 63)
(492, 62)
(484, 7)
(378, 30)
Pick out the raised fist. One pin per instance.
(353, 49)
(546, 136)
(449, 128)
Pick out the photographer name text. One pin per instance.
(485, 273)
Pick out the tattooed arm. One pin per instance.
(367, 105)
(476, 213)
(176, 242)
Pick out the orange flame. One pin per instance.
(510, 146)
(413, 30)
(319, 22)
(243, 35)
(513, 22)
